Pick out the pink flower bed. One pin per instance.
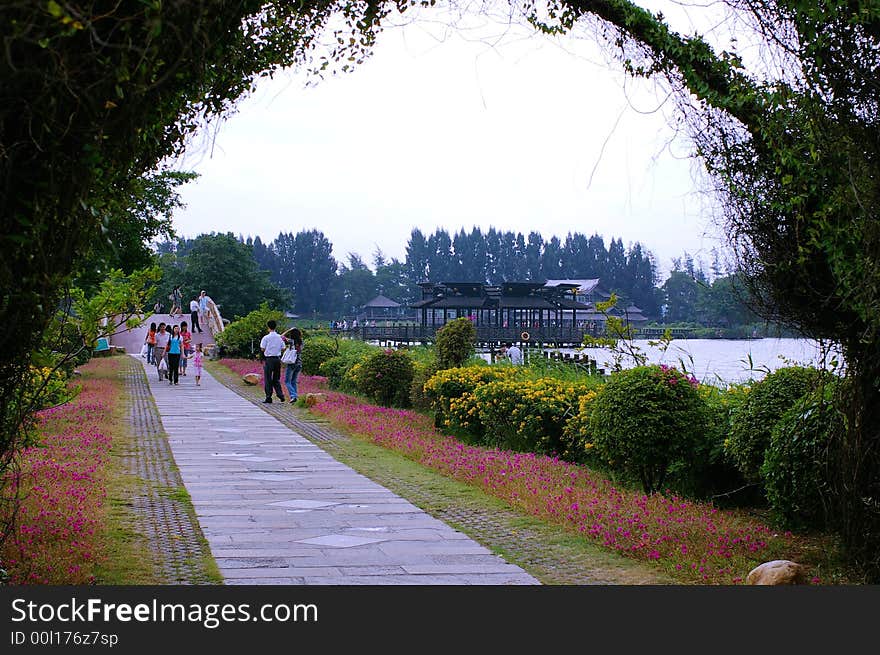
(692, 541)
(305, 383)
(61, 482)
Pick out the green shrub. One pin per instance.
(386, 377)
(336, 368)
(765, 404)
(316, 351)
(794, 469)
(713, 473)
(455, 343)
(577, 433)
(423, 370)
(646, 423)
(242, 337)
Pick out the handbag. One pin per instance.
(144, 350)
(289, 356)
(162, 365)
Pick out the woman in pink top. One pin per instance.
(186, 336)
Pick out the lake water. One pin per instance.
(722, 360)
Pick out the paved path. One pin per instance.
(277, 509)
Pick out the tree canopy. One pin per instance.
(95, 95)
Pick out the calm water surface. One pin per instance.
(722, 360)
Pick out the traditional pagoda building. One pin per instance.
(552, 304)
(382, 308)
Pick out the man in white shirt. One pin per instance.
(515, 354)
(194, 315)
(272, 344)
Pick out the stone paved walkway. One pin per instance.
(172, 532)
(276, 509)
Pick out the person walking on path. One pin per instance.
(194, 314)
(174, 350)
(159, 351)
(272, 344)
(186, 336)
(150, 340)
(175, 302)
(203, 307)
(291, 373)
(196, 356)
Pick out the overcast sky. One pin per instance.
(453, 128)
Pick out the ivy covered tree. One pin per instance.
(793, 147)
(96, 95)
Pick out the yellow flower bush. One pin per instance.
(46, 387)
(531, 415)
(453, 383)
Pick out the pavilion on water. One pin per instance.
(524, 305)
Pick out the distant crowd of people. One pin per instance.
(345, 326)
(169, 348)
(198, 307)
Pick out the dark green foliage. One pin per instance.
(225, 265)
(96, 97)
(455, 343)
(752, 424)
(422, 372)
(647, 422)
(713, 474)
(793, 148)
(305, 265)
(335, 368)
(795, 470)
(316, 351)
(386, 376)
(242, 337)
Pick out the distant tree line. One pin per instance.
(298, 271)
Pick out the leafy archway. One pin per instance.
(95, 95)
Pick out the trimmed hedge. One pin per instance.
(795, 470)
(451, 383)
(242, 337)
(647, 423)
(315, 352)
(386, 376)
(753, 423)
(455, 342)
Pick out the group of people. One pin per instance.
(198, 307)
(169, 348)
(281, 349)
(512, 352)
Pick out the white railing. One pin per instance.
(215, 321)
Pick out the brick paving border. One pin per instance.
(537, 551)
(169, 524)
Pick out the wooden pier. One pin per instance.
(489, 336)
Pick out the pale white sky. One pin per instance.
(440, 128)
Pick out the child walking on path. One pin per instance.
(196, 356)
